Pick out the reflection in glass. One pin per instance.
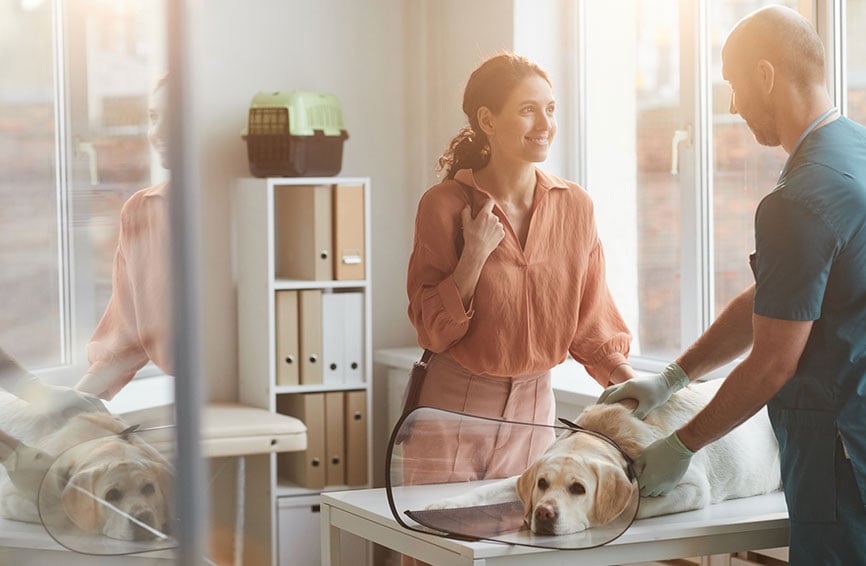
(30, 281)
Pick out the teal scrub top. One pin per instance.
(810, 264)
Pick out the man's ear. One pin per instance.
(613, 492)
(767, 76)
(525, 485)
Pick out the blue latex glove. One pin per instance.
(649, 392)
(662, 465)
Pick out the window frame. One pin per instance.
(696, 222)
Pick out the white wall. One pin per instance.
(351, 49)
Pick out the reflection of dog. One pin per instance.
(580, 481)
(126, 475)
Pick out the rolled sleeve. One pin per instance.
(602, 340)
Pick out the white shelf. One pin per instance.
(287, 389)
(291, 284)
(256, 227)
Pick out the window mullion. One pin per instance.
(61, 138)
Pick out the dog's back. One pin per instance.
(743, 463)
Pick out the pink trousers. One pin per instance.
(442, 452)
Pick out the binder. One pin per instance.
(333, 348)
(307, 468)
(310, 330)
(349, 261)
(303, 232)
(353, 337)
(342, 338)
(335, 439)
(287, 338)
(356, 438)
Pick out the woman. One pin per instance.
(135, 327)
(506, 277)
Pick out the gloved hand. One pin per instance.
(53, 401)
(649, 392)
(662, 464)
(26, 467)
(57, 401)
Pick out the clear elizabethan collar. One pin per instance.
(445, 476)
(112, 495)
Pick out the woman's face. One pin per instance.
(157, 117)
(525, 127)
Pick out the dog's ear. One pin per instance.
(79, 499)
(612, 494)
(525, 485)
(165, 479)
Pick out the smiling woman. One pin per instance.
(506, 278)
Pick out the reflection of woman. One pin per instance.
(525, 288)
(135, 325)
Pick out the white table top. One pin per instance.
(730, 526)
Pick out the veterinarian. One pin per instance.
(805, 317)
(135, 327)
(506, 277)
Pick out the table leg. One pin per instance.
(330, 538)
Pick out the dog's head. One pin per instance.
(577, 484)
(116, 485)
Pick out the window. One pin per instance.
(855, 12)
(675, 177)
(73, 132)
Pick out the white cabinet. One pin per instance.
(304, 337)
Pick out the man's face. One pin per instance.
(747, 100)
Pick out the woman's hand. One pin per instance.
(482, 234)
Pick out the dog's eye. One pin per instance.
(542, 484)
(576, 489)
(147, 489)
(113, 495)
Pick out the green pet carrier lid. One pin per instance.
(306, 112)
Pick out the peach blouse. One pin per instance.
(135, 325)
(532, 305)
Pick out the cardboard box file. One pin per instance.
(356, 438)
(335, 439)
(307, 468)
(310, 330)
(348, 222)
(304, 234)
(287, 348)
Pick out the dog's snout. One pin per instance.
(141, 532)
(546, 513)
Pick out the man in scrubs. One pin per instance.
(805, 316)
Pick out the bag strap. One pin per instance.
(425, 357)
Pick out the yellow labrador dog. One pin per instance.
(116, 485)
(581, 482)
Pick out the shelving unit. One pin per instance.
(283, 512)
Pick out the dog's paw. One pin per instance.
(450, 503)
